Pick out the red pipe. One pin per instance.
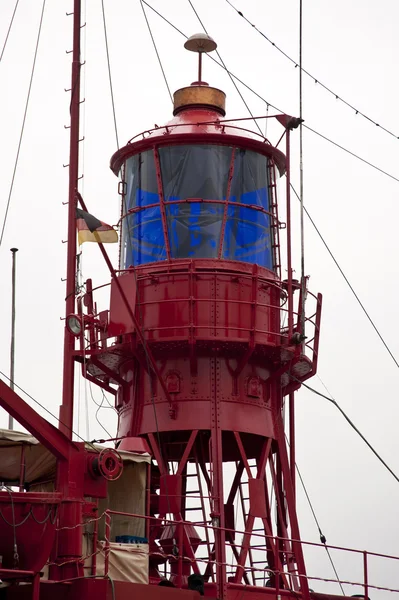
(292, 441)
(289, 257)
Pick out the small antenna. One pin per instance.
(12, 349)
(201, 43)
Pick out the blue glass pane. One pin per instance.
(144, 198)
(142, 234)
(255, 198)
(194, 229)
(247, 236)
(195, 171)
(145, 237)
(141, 180)
(250, 179)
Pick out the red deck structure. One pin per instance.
(203, 344)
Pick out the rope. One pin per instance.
(156, 51)
(86, 522)
(316, 81)
(9, 29)
(23, 124)
(83, 559)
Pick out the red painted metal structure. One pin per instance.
(200, 354)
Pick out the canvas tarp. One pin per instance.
(127, 562)
(126, 494)
(39, 462)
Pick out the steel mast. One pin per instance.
(66, 409)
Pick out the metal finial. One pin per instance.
(201, 43)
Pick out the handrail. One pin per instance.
(366, 585)
(254, 534)
(198, 124)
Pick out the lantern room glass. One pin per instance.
(201, 193)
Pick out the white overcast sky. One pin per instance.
(353, 47)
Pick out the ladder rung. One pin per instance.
(258, 562)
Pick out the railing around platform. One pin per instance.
(372, 572)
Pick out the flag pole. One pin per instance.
(12, 349)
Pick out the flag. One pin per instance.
(91, 229)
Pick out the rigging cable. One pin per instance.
(316, 81)
(138, 303)
(249, 88)
(297, 195)
(349, 284)
(23, 124)
(9, 29)
(327, 139)
(96, 415)
(226, 69)
(303, 280)
(100, 406)
(109, 73)
(351, 423)
(305, 385)
(46, 410)
(323, 538)
(156, 50)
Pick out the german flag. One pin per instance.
(91, 229)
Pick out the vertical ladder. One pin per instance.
(257, 544)
(274, 225)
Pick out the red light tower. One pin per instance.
(208, 342)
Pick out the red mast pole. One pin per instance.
(66, 409)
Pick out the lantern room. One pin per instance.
(199, 187)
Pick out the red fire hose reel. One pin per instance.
(108, 464)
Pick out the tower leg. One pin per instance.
(289, 495)
(217, 507)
